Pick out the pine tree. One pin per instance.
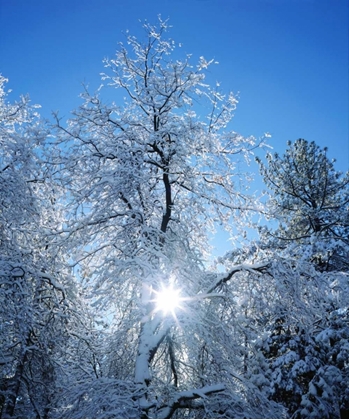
(310, 201)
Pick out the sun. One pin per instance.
(167, 300)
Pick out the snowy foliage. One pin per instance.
(36, 289)
(147, 182)
(306, 326)
(103, 216)
(310, 200)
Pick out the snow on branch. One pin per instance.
(202, 296)
(253, 268)
(52, 281)
(185, 399)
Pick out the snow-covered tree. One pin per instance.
(18, 217)
(307, 368)
(34, 282)
(310, 201)
(147, 182)
(292, 332)
(108, 306)
(303, 296)
(327, 394)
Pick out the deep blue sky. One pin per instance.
(287, 58)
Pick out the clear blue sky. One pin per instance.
(287, 58)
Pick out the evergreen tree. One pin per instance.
(302, 361)
(310, 201)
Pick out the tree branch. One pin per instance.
(185, 399)
(221, 279)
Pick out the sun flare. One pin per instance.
(167, 300)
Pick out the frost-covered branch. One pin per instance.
(185, 399)
(259, 268)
